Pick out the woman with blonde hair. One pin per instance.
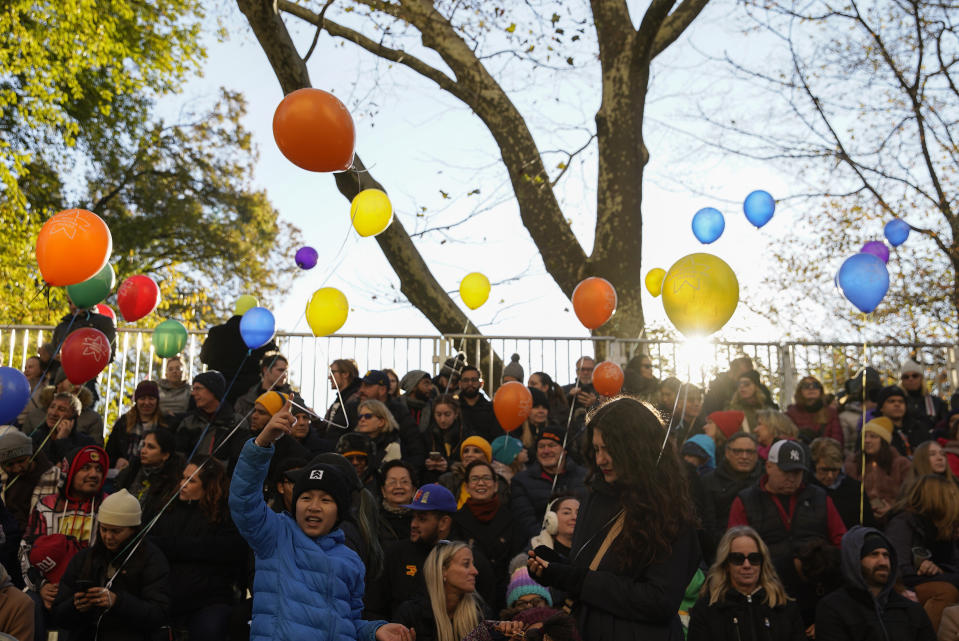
(375, 420)
(743, 597)
(772, 426)
(451, 608)
(928, 458)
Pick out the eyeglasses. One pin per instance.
(810, 386)
(481, 479)
(534, 602)
(746, 451)
(398, 483)
(366, 416)
(469, 380)
(738, 558)
(911, 375)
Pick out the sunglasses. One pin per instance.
(738, 558)
(912, 375)
(367, 416)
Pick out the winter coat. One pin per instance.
(153, 488)
(880, 483)
(499, 540)
(188, 428)
(174, 397)
(411, 439)
(852, 613)
(16, 610)
(612, 604)
(304, 588)
(20, 498)
(124, 442)
(142, 605)
(393, 526)
(721, 487)
(845, 496)
(741, 617)
(417, 613)
(335, 418)
(907, 530)
(479, 418)
(225, 351)
(812, 425)
(205, 557)
(927, 409)
(531, 489)
(88, 422)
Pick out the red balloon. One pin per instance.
(84, 354)
(314, 130)
(511, 404)
(608, 378)
(137, 297)
(594, 301)
(105, 310)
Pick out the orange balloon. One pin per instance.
(511, 404)
(608, 378)
(314, 130)
(73, 246)
(594, 301)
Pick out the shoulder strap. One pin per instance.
(614, 531)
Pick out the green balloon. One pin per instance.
(169, 338)
(93, 290)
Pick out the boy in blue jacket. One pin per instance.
(308, 584)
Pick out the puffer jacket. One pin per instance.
(304, 588)
(742, 617)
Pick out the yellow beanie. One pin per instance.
(272, 401)
(480, 442)
(881, 427)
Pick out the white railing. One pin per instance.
(780, 364)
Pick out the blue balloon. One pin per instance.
(708, 225)
(257, 327)
(896, 231)
(864, 280)
(14, 394)
(759, 207)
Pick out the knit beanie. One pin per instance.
(539, 398)
(480, 442)
(728, 422)
(911, 367)
(411, 379)
(120, 509)
(506, 448)
(213, 381)
(552, 433)
(272, 401)
(514, 369)
(327, 478)
(14, 444)
(872, 542)
(881, 427)
(889, 392)
(146, 389)
(521, 584)
(752, 375)
(355, 443)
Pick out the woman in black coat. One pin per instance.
(639, 583)
(486, 523)
(154, 476)
(743, 598)
(105, 595)
(205, 551)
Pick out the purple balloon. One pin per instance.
(306, 257)
(876, 248)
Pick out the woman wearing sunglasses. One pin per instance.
(375, 420)
(742, 598)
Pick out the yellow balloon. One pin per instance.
(371, 212)
(244, 304)
(474, 289)
(326, 311)
(654, 281)
(700, 294)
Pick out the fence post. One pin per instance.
(788, 374)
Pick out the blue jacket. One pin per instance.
(304, 588)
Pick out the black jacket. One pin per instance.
(334, 422)
(845, 497)
(610, 603)
(531, 489)
(411, 439)
(479, 418)
(225, 351)
(190, 426)
(393, 526)
(740, 617)
(721, 487)
(417, 613)
(143, 596)
(499, 540)
(205, 557)
(153, 490)
(907, 530)
(851, 613)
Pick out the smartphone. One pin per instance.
(436, 456)
(548, 554)
(82, 585)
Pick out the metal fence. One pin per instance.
(781, 365)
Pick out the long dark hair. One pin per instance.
(654, 494)
(216, 487)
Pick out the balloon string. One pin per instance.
(862, 431)
(449, 379)
(206, 427)
(669, 428)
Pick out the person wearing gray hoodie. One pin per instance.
(867, 606)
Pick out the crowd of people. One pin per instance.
(403, 510)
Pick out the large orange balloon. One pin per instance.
(608, 378)
(594, 301)
(511, 404)
(314, 130)
(73, 246)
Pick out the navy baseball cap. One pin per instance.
(433, 497)
(376, 377)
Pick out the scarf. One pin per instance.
(395, 510)
(484, 511)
